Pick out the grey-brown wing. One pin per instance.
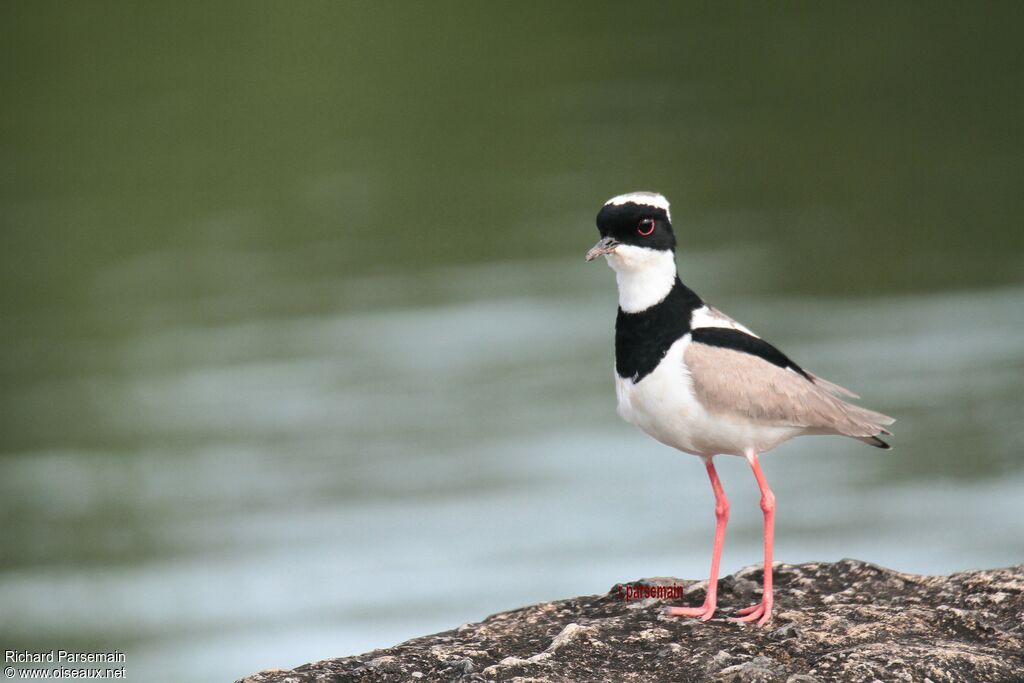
(734, 382)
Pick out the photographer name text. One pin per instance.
(62, 657)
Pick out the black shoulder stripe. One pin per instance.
(737, 340)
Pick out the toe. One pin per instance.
(752, 613)
(704, 612)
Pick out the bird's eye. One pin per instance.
(645, 227)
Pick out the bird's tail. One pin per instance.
(866, 425)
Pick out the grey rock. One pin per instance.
(757, 670)
(846, 621)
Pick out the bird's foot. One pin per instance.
(704, 612)
(761, 613)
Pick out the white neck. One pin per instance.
(645, 276)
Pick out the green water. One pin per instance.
(299, 356)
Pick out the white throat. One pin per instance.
(645, 276)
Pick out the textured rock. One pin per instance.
(846, 621)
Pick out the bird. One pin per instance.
(698, 381)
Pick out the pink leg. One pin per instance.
(762, 612)
(707, 610)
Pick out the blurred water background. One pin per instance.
(300, 356)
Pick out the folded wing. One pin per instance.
(739, 374)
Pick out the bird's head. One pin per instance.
(636, 232)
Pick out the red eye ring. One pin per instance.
(646, 233)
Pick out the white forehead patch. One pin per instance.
(654, 199)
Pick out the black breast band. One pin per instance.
(643, 338)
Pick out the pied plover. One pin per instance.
(696, 380)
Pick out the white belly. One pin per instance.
(664, 406)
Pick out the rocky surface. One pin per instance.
(844, 621)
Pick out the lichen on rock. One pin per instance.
(843, 621)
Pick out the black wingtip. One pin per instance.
(874, 441)
(877, 443)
